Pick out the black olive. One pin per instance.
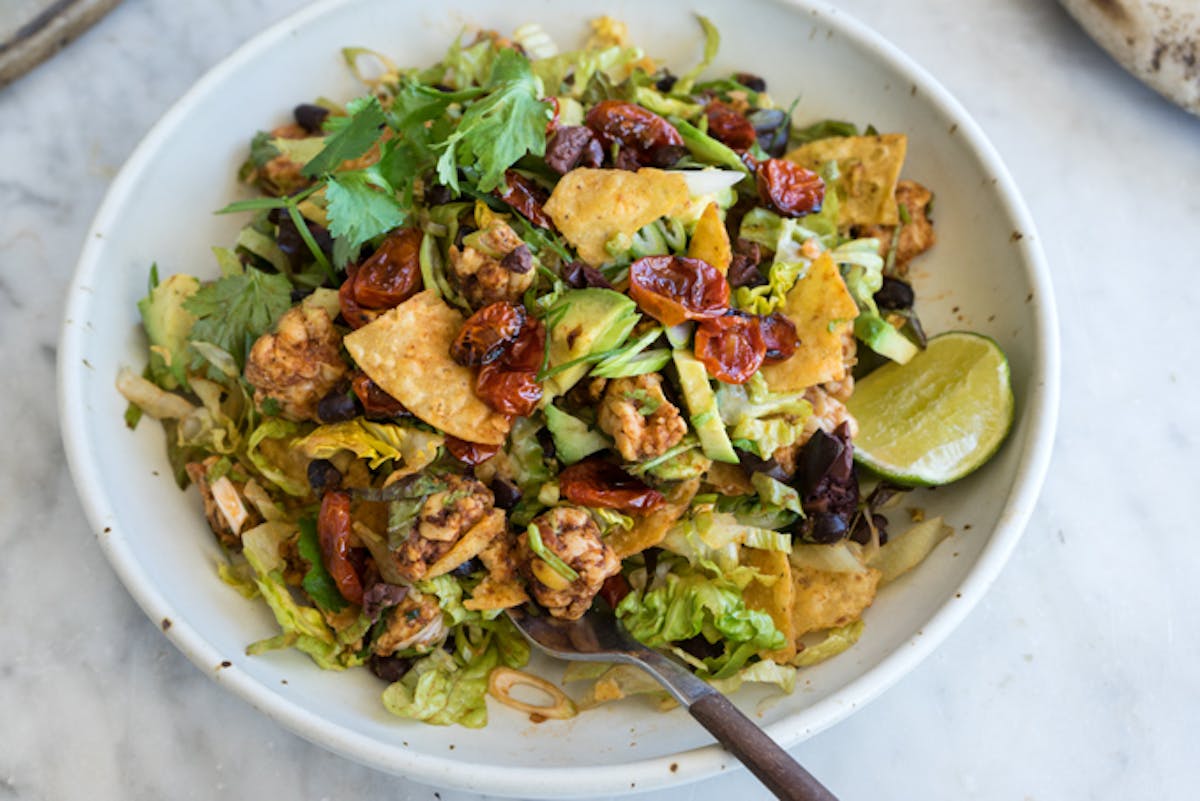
(894, 295)
(507, 493)
(322, 475)
(310, 117)
(337, 406)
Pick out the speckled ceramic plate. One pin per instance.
(1158, 41)
(33, 30)
(987, 273)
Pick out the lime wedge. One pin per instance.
(938, 417)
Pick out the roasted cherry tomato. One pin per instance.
(470, 452)
(352, 312)
(788, 188)
(392, 274)
(596, 482)
(779, 335)
(487, 333)
(653, 141)
(333, 535)
(526, 197)
(375, 402)
(528, 349)
(726, 125)
(731, 347)
(613, 589)
(672, 289)
(511, 392)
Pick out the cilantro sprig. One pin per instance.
(237, 309)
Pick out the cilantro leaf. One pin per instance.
(235, 310)
(352, 139)
(358, 210)
(499, 128)
(261, 149)
(317, 582)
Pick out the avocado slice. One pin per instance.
(573, 440)
(581, 323)
(167, 325)
(882, 338)
(702, 404)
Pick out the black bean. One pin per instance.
(773, 128)
(894, 295)
(666, 83)
(463, 232)
(751, 463)
(389, 668)
(467, 568)
(310, 117)
(437, 195)
(751, 81)
(506, 492)
(322, 475)
(380, 596)
(337, 406)
(579, 275)
(743, 268)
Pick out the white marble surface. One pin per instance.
(1076, 678)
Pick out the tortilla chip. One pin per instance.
(589, 207)
(823, 311)
(406, 352)
(728, 479)
(500, 588)
(776, 599)
(469, 545)
(648, 530)
(710, 240)
(823, 599)
(868, 168)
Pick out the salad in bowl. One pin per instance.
(554, 329)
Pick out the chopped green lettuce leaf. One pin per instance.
(375, 442)
(693, 604)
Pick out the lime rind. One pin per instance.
(938, 418)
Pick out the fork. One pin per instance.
(599, 637)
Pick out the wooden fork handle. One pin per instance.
(773, 766)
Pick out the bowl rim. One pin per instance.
(567, 781)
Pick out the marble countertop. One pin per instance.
(1076, 677)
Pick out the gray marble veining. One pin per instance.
(1074, 679)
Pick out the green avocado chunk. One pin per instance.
(585, 322)
(573, 440)
(167, 326)
(702, 405)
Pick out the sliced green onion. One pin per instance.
(548, 556)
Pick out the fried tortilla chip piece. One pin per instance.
(470, 545)
(823, 311)
(868, 168)
(500, 588)
(648, 530)
(823, 599)
(407, 353)
(775, 599)
(710, 240)
(589, 206)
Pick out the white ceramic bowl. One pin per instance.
(986, 273)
